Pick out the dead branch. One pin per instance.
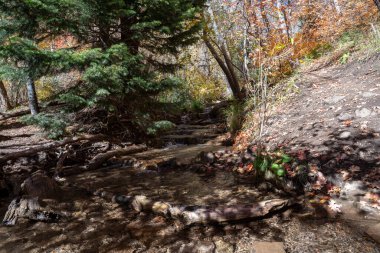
(51, 145)
(99, 159)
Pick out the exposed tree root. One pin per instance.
(49, 146)
(99, 159)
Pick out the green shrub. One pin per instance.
(159, 127)
(53, 125)
(72, 101)
(235, 116)
(197, 106)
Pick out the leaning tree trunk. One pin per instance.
(377, 2)
(5, 105)
(32, 96)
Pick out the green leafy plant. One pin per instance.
(345, 57)
(53, 125)
(271, 165)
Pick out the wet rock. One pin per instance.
(141, 203)
(345, 116)
(362, 113)
(266, 247)
(344, 135)
(334, 99)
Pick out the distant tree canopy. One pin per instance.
(119, 44)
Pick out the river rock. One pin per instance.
(141, 203)
(362, 113)
(344, 135)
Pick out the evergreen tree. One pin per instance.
(130, 40)
(24, 24)
(121, 44)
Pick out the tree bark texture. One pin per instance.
(32, 96)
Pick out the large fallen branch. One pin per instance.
(50, 145)
(99, 159)
(205, 214)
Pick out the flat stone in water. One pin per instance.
(362, 113)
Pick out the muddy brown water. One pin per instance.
(94, 224)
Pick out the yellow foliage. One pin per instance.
(44, 89)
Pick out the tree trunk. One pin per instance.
(126, 23)
(226, 64)
(32, 96)
(4, 99)
(377, 3)
(232, 82)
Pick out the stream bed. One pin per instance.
(94, 224)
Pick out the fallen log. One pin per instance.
(234, 213)
(99, 159)
(5, 116)
(205, 214)
(51, 145)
